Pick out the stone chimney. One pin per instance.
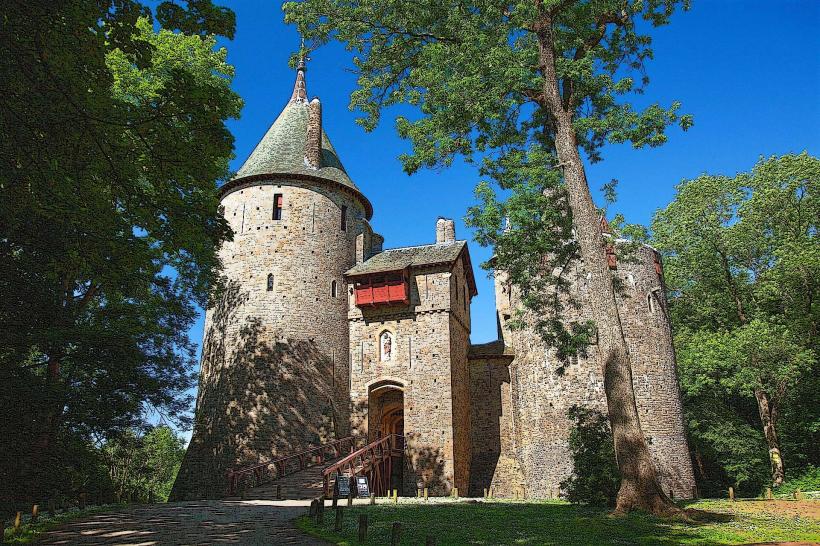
(313, 138)
(449, 231)
(445, 231)
(440, 230)
(376, 244)
(364, 245)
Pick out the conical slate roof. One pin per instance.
(282, 150)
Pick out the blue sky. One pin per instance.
(749, 72)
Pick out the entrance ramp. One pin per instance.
(376, 460)
(297, 476)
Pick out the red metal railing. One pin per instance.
(254, 475)
(375, 460)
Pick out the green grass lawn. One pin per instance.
(554, 522)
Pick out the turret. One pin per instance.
(274, 372)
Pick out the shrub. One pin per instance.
(808, 481)
(595, 479)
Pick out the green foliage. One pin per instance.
(131, 466)
(472, 73)
(144, 467)
(533, 221)
(728, 449)
(29, 532)
(595, 479)
(808, 481)
(742, 264)
(114, 142)
(753, 356)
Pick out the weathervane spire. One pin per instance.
(300, 88)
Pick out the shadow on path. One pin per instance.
(195, 522)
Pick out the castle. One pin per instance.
(321, 333)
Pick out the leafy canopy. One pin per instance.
(471, 73)
(115, 140)
(742, 264)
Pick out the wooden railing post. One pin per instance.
(320, 513)
(337, 525)
(395, 534)
(362, 527)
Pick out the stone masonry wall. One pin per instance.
(648, 333)
(274, 375)
(544, 388)
(460, 378)
(493, 463)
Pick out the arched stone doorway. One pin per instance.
(385, 409)
(385, 416)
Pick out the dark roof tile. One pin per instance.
(395, 259)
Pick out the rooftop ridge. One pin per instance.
(422, 246)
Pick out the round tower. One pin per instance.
(274, 374)
(544, 387)
(648, 332)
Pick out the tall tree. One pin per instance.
(142, 466)
(742, 264)
(526, 85)
(114, 141)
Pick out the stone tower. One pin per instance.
(275, 374)
(409, 318)
(541, 388)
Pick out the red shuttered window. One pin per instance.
(382, 289)
(277, 206)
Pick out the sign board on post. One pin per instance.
(342, 485)
(362, 487)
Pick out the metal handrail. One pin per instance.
(366, 459)
(261, 472)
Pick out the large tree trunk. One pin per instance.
(36, 466)
(639, 483)
(767, 418)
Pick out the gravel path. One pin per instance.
(259, 519)
(196, 522)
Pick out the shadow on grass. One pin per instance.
(29, 532)
(519, 523)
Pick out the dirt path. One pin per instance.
(259, 519)
(805, 508)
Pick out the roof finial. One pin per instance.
(299, 88)
(302, 57)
